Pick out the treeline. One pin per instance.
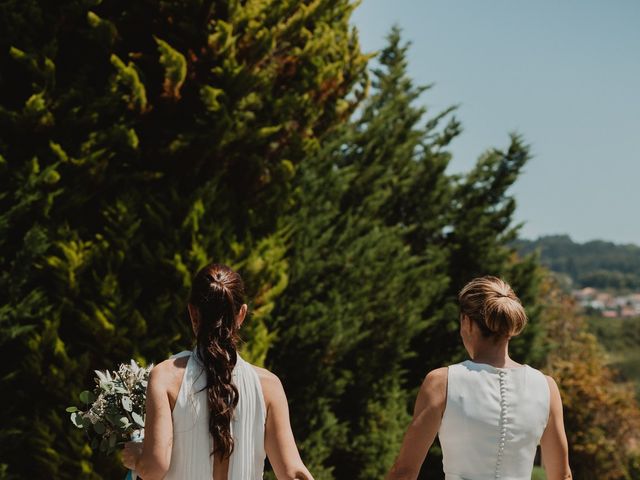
(597, 263)
(621, 338)
(140, 141)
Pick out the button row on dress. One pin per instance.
(503, 427)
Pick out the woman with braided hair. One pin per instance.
(489, 412)
(210, 414)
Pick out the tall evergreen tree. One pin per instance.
(140, 140)
(362, 272)
(479, 239)
(378, 199)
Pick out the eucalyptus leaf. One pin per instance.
(137, 418)
(112, 440)
(87, 397)
(127, 404)
(101, 376)
(76, 419)
(94, 444)
(114, 419)
(104, 445)
(99, 428)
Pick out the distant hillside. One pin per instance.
(597, 263)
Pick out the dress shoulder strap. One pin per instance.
(184, 353)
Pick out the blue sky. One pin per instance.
(564, 74)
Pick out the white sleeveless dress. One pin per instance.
(493, 421)
(192, 443)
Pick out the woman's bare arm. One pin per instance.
(153, 461)
(555, 450)
(279, 442)
(427, 416)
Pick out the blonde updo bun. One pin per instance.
(491, 303)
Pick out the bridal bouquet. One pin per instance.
(114, 411)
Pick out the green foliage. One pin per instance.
(621, 339)
(478, 241)
(538, 474)
(601, 416)
(382, 240)
(597, 263)
(175, 68)
(141, 141)
(138, 142)
(116, 411)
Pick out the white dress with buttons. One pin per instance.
(493, 421)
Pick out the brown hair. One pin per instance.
(492, 305)
(218, 294)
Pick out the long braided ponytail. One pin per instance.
(218, 295)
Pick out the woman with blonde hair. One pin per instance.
(210, 414)
(489, 412)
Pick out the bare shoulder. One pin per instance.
(436, 381)
(553, 390)
(168, 366)
(432, 396)
(553, 386)
(267, 379)
(271, 385)
(264, 374)
(551, 381)
(168, 372)
(438, 375)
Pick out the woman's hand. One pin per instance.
(131, 453)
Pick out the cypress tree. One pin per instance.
(378, 199)
(479, 239)
(363, 269)
(139, 141)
